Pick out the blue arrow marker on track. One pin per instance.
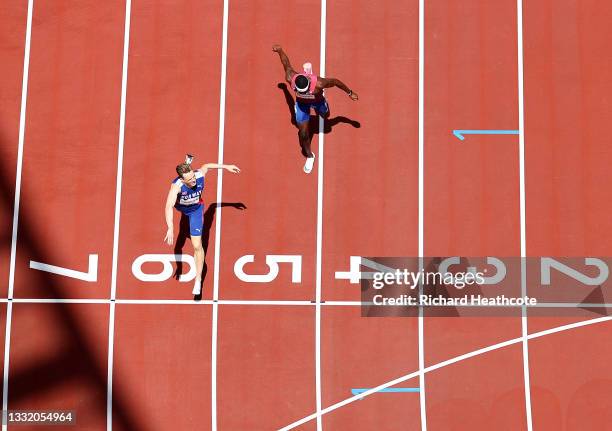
(395, 390)
(459, 133)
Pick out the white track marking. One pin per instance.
(213, 366)
(445, 364)
(320, 176)
(109, 378)
(524, 323)
(422, 397)
(7, 344)
(113, 293)
(22, 119)
(60, 301)
(218, 212)
(91, 275)
(263, 302)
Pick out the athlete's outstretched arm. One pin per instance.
(232, 168)
(333, 82)
(289, 72)
(170, 201)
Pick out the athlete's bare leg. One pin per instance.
(304, 137)
(198, 255)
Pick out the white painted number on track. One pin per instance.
(91, 275)
(166, 260)
(272, 261)
(548, 263)
(354, 275)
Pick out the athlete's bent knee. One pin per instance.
(197, 244)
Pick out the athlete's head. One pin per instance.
(186, 174)
(302, 83)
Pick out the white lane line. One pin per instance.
(109, 378)
(7, 344)
(22, 119)
(291, 303)
(421, 336)
(176, 302)
(320, 176)
(60, 301)
(445, 364)
(218, 212)
(113, 293)
(524, 322)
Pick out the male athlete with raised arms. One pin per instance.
(308, 89)
(186, 196)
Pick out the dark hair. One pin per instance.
(183, 168)
(302, 82)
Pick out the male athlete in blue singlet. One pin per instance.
(186, 196)
(308, 89)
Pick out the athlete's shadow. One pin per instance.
(183, 235)
(313, 123)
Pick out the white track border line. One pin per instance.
(111, 317)
(218, 212)
(320, 176)
(267, 302)
(521, 115)
(446, 363)
(22, 118)
(421, 322)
